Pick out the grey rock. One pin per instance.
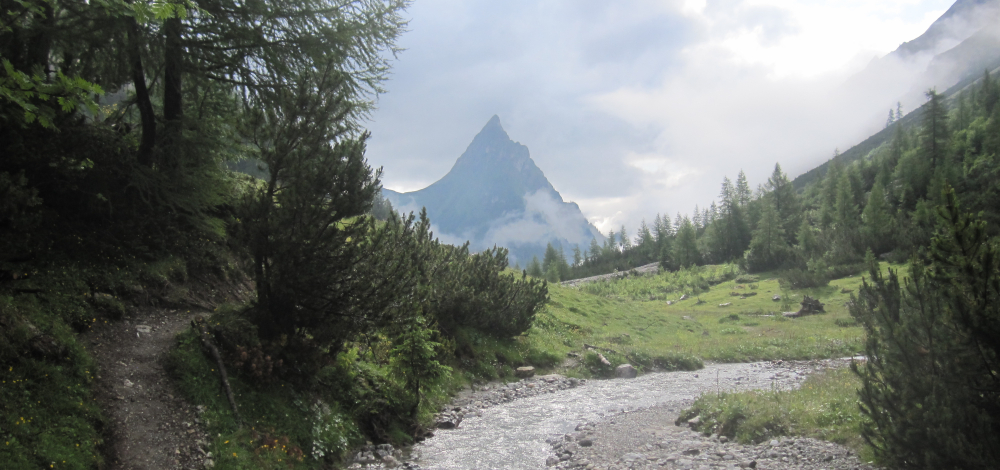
(524, 372)
(625, 371)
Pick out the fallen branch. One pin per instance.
(206, 341)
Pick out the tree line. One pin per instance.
(883, 202)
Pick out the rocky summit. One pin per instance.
(496, 195)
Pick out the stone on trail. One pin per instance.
(524, 372)
(625, 371)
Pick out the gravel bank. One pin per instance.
(628, 423)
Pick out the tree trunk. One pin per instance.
(172, 98)
(40, 43)
(148, 140)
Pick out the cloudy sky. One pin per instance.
(638, 107)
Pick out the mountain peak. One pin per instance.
(496, 195)
(493, 131)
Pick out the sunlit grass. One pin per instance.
(621, 317)
(824, 407)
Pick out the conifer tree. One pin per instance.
(595, 249)
(934, 134)
(742, 189)
(577, 256)
(828, 195)
(929, 385)
(563, 265)
(535, 268)
(626, 242)
(785, 201)
(551, 257)
(877, 221)
(809, 246)
(767, 248)
(685, 249)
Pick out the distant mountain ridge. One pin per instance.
(958, 47)
(496, 195)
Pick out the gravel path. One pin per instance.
(152, 427)
(551, 421)
(646, 268)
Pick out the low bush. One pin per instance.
(802, 279)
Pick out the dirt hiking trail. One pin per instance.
(151, 426)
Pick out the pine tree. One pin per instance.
(877, 221)
(846, 222)
(646, 242)
(899, 110)
(686, 252)
(786, 202)
(595, 249)
(577, 256)
(930, 387)
(414, 359)
(934, 134)
(891, 120)
(696, 218)
(535, 268)
(550, 258)
(563, 265)
(732, 233)
(626, 242)
(768, 249)
(809, 247)
(828, 195)
(743, 193)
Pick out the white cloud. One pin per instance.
(639, 107)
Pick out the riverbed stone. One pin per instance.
(625, 371)
(525, 372)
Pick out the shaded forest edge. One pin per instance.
(121, 123)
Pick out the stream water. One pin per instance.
(513, 435)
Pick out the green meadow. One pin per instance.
(725, 317)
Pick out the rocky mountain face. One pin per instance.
(963, 42)
(496, 195)
(952, 54)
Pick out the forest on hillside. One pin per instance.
(884, 202)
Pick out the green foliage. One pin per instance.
(47, 407)
(665, 285)
(414, 359)
(929, 385)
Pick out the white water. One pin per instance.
(513, 435)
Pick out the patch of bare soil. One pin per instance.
(152, 427)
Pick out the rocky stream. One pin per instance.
(558, 422)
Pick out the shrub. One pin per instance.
(802, 279)
(930, 383)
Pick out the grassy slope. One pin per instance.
(619, 315)
(624, 320)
